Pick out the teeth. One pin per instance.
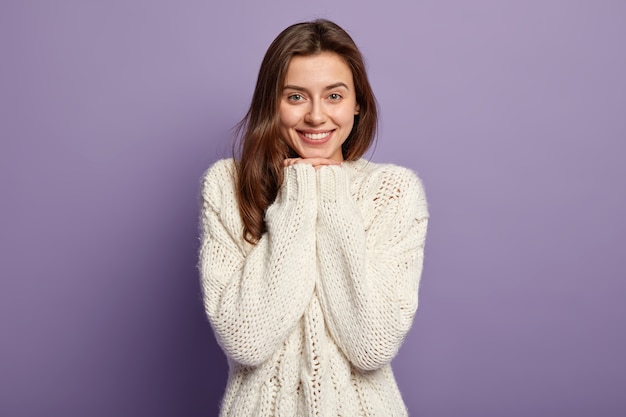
(316, 136)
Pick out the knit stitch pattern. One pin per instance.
(312, 315)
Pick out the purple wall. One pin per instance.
(514, 114)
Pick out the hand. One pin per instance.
(316, 162)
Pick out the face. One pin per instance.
(318, 105)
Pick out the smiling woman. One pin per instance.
(311, 257)
(318, 106)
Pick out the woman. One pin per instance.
(311, 256)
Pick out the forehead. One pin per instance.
(324, 68)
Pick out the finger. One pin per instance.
(322, 161)
(290, 161)
(315, 162)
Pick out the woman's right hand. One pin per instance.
(315, 162)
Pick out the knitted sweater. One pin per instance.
(311, 316)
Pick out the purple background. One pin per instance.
(514, 114)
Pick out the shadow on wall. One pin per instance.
(209, 366)
(201, 355)
(193, 369)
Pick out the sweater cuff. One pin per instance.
(298, 183)
(334, 184)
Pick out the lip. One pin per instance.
(315, 142)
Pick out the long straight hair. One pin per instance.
(262, 150)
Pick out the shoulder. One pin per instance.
(218, 183)
(221, 169)
(391, 184)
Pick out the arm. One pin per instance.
(370, 273)
(254, 297)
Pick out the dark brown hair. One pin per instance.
(260, 167)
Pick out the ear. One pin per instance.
(357, 109)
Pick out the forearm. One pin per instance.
(253, 300)
(368, 279)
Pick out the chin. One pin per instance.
(311, 154)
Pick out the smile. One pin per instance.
(315, 136)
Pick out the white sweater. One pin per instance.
(311, 316)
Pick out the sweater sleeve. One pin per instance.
(254, 297)
(369, 274)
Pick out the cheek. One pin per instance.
(288, 116)
(346, 117)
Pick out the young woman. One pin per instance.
(311, 256)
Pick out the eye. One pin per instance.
(295, 97)
(335, 97)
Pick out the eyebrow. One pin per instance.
(329, 87)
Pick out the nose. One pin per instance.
(316, 114)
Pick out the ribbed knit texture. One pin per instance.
(311, 316)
